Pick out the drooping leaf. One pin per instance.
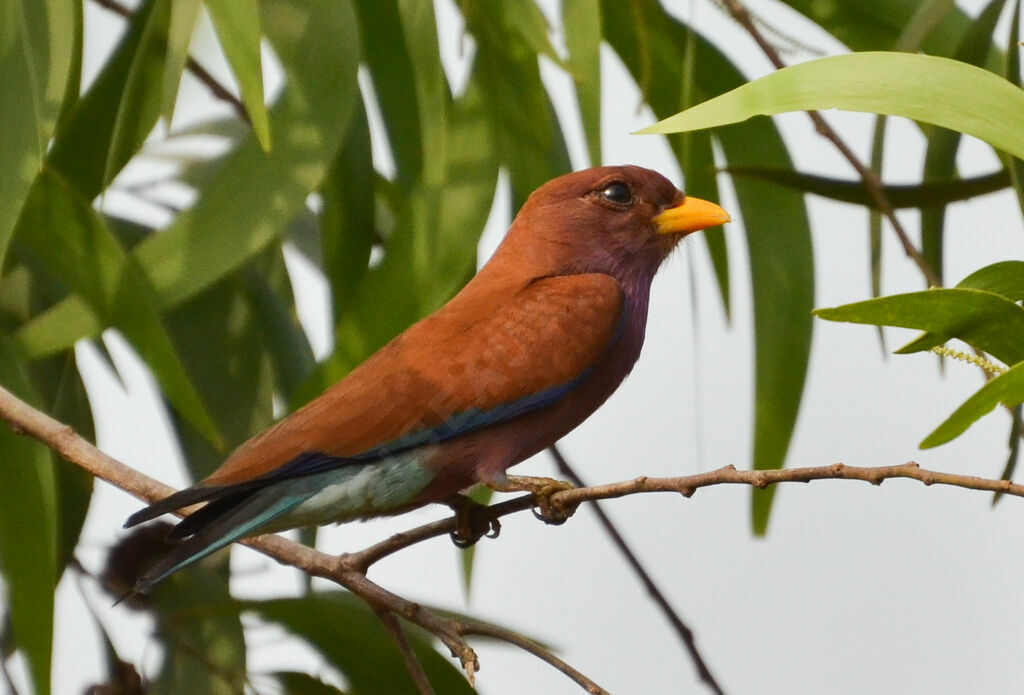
(74, 245)
(184, 14)
(1014, 450)
(237, 23)
(1012, 73)
(28, 530)
(298, 683)
(582, 22)
(1007, 389)
(36, 58)
(920, 87)
(984, 320)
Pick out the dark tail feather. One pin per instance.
(240, 519)
(182, 498)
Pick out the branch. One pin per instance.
(872, 184)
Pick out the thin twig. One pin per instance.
(412, 663)
(872, 184)
(192, 65)
(528, 645)
(682, 629)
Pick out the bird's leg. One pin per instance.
(471, 524)
(543, 489)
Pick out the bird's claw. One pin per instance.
(470, 523)
(543, 489)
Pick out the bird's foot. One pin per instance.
(471, 521)
(543, 489)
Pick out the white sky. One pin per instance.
(856, 589)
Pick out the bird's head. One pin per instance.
(619, 220)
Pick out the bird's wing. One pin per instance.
(472, 364)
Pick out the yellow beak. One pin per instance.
(691, 215)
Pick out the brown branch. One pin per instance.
(682, 629)
(415, 668)
(872, 184)
(218, 90)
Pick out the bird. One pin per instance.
(532, 345)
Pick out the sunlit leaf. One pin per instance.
(934, 90)
(582, 22)
(184, 14)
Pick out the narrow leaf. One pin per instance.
(237, 23)
(184, 14)
(1007, 389)
(982, 319)
(933, 90)
(582, 22)
(28, 533)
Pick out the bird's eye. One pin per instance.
(617, 193)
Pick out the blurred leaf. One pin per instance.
(254, 194)
(900, 195)
(298, 683)
(138, 105)
(1007, 389)
(934, 90)
(940, 157)
(699, 174)
(432, 252)
(775, 219)
(523, 121)
(481, 494)
(184, 14)
(347, 223)
(581, 20)
(1014, 447)
(36, 57)
(982, 319)
(1005, 279)
(28, 533)
(237, 23)
(74, 244)
(386, 50)
(352, 638)
(1013, 74)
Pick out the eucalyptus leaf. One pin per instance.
(1006, 389)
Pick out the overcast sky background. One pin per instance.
(856, 589)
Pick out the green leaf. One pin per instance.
(74, 245)
(36, 51)
(582, 22)
(982, 319)
(1014, 453)
(352, 638)
(900, 195)
(1007, 389)
(184, 14)
(650, 43)
(933, 90)
(28, 533)
(237, 23)
(138, 106)
(255, 194)
(1005, 279)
